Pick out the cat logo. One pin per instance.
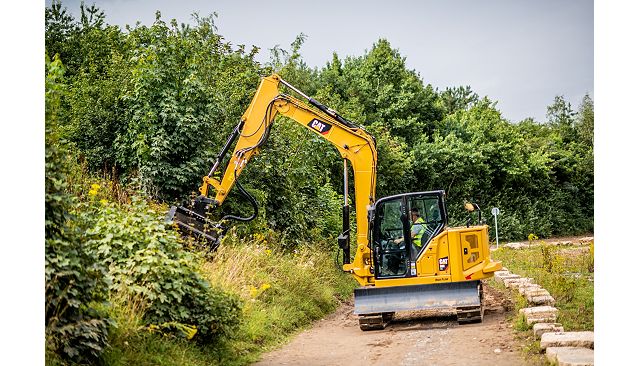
(443, 263)
(319, 126)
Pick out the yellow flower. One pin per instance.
(95, 186)
(268, 251)
(253, 292)
(265, 286)
(104, 202)
(93, 192)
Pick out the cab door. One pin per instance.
(390, 250)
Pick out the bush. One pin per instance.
(147, 262)
(75, 282)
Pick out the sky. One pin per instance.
(518, 53)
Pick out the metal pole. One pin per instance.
(496, 221)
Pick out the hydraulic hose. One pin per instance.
(250, 198)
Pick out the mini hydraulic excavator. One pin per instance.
(406, 257)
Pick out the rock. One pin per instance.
(585, 240)
(501, 278)
(539, 296)
(497, 350)
(540, 314)
(570, 356)
(538, 310)
(541, 300)
(536, 292)
(562, 242)
(567, 339)
(516, 245)
(516, 282)
(522, 289)
(540, 328)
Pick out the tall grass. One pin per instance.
(282, 291)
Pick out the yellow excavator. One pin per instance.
(406, 257)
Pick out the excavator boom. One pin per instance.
(352, 142)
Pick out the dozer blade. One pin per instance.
(194, 223)
(379, 300)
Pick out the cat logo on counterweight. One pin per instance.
(319, 126)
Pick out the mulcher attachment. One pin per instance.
(192, 221)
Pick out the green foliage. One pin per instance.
(458, 98)
(75, 283)
(147, 262)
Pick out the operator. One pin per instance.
(417, 228)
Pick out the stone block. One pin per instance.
(536, 292)
(540, 328)
(567, 339)
(541, 300)
(501, 278)
(570, 356)
(585, 240)
(538, 310)
(522, 289)
(540, 314)
(516, 282)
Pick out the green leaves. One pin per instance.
(75, 281)
(146, 261)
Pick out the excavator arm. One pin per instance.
(353, 143)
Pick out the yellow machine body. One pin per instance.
(471, 264)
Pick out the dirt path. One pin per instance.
(411, 339)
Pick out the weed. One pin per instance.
(520, 323)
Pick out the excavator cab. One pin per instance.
(402, 226)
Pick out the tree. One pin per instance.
(562, 117)
(458, 98)
(584, 123)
